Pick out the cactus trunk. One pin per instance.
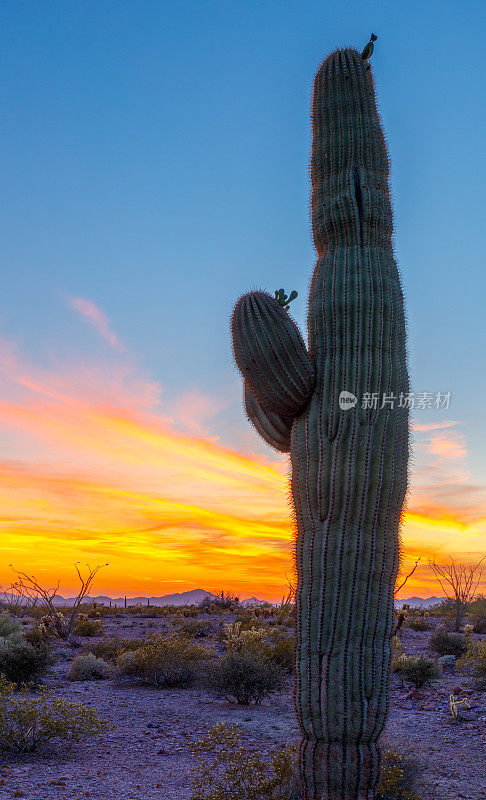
(349, 465)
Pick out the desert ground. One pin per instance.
(146, 751)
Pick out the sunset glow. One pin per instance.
(94, 471)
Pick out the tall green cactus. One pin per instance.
(349, 465)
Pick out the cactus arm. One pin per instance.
(271, 354)
(273, 428)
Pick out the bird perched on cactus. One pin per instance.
(349, 465)
(368, 49)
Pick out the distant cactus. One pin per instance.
(349, 465)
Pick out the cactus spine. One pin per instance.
(349, 466)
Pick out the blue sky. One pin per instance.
(155, 162)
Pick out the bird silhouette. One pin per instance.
(368, 49)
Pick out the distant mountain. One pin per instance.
(196, 596)
(253, 601)
(414, 602)
(193, 597)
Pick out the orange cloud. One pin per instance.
(97, 318)
(95, 471)
(433, 426)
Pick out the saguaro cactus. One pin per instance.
(349, 460)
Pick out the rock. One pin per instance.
(448, 662)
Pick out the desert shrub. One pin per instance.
(246, 622)
(396, 652)
(246, 673)
(396, 778)
(153, 612)
(23, 662)
(8, 625)
(474, 661)
(445, 643)
(225, 770)
(189, 611)
(281, 652)
(446, 608)
(38, 635)
(476, 614)
(196, 628)
(246, 676)
(146, 612)
(417, 623)
(418, 670)
(88, 627)
(479, 624)
(27, 721)
(285, 615)
(223, 601)
(237, 637)
(171, 661)
(109, 649)
(98, 610)
(88, 668)
(477, 607)
(34, 612)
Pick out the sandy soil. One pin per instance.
(146, 755)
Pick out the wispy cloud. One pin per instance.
(98, 319)
(433, 426)
(97, 468)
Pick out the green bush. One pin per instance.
(88, 627)
(445, 643)
(396, 778)
(225, 601)
(147, 612)
(225, 770)
(27, 721)
(479, 624)
(22, 662)
(281, 652)
(245, 676)
(88, 668)
(418, 623)
(245, 673)
(476, 614)
(171, 661)
(446, 609)
(396, 652)
(109, 649)
(195, 628)
(474, 662)
(477, 607)
(8, 625)
(418, 670)
(38, 635)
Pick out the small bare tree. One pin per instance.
(406, 578)
(60, 622)
(401, 615)
(459, 583)
(289, 597)
(13, 600)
